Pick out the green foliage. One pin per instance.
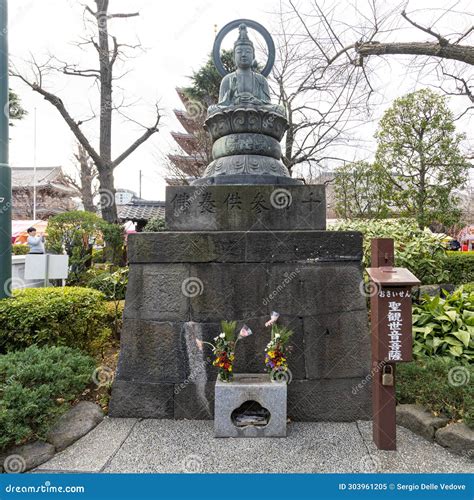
(460, 266)
(154, 225)
(69, 316)
(420, 159)
(207, 80)
(468, 287)
(359, 191)
(444, 326)
(420, 251)
(115, 316)
(281, 334)
(228, 328)
(429, 382)
(113, 235)
(98, 256)
(110, 281)
(15, 109)
(20, 249)
(77, 232)
(36, 386)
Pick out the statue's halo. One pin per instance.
(216, 50)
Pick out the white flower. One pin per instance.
(216, 338)
(277, 335)
(222, 335)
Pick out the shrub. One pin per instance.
(115, 316)
(76, 233)
(468, 287)
(418, 250)
(36, 386)
(112, 284)
(436, 384)
(20, 249)
(444, 326)
(460, 267)
(98, 256)
(155, 224)
(70, 316)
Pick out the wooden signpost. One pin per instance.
(391, 324)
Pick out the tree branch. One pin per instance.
(455, 52)
(59, 105)
(143, 138)
(442, 41)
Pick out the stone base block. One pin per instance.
(245, 208)
(250, 406)
(182, 284)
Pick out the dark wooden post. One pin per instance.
(390, 306)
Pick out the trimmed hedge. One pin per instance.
(36, 386)
(421, 251)
(69, 316)
(442, 385)
(460, 266)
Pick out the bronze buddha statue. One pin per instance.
(245, 86)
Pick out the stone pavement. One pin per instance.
(135, 445)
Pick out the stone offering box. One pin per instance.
(223, 260)
(250, 406)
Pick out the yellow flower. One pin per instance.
(230, 368)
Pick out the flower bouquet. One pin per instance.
(224, 348)
(275, 353)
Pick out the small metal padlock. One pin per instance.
(387, 375)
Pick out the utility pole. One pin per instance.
(5, 171)
(34, 168)
(140, 184)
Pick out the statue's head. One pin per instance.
(244, 52)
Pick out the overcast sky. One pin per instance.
(176, 37)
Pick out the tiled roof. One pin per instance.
(45, 176)
(141, 211)
(25, 176)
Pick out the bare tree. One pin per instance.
(109, 51)
(325, 97)
(85, 180)
(448, 56)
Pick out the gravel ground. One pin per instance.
(129, 445)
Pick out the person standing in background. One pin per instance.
(36, 243)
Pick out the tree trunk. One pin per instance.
(86, 187)
(289, 140)
(86, 179)
(107, 195)
(106, 178)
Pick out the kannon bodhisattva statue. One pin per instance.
(244, 86)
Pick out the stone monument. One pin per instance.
(244, 240)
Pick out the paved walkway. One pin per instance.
(134, 445)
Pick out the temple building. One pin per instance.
(194, 144)
(54, 192)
